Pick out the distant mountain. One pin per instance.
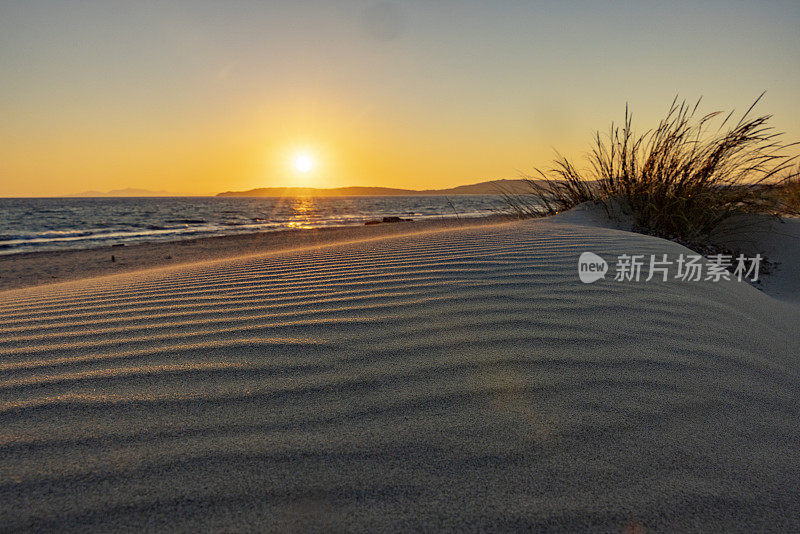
(492, 187)
(129, 192)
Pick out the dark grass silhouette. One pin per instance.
(680, 181)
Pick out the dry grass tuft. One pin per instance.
(680, 180)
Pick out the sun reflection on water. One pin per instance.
(303, 209)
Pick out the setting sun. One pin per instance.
(303, 163)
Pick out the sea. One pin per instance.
(38, 224)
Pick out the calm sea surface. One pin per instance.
(28, 224)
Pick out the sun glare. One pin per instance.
(303, 163)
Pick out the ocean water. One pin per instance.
(29, 224)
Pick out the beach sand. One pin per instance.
(38, 268)
(459, 379)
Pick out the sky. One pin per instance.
(197, 97)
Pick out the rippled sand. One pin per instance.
(458, 379)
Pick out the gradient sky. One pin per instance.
(200, 97)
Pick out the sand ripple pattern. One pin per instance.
(458, 380)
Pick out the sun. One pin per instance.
(303, 163)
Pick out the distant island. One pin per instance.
(129, 192)
(492, 187)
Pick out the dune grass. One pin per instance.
(680, 181)
(789, 195)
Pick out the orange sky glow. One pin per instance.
(204, 97)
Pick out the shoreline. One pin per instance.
(35, 268)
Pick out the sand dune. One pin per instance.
(457, 379)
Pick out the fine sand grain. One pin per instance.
(39, 268)
(456, 379)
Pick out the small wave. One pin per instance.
(187, 221)
(52, 235)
